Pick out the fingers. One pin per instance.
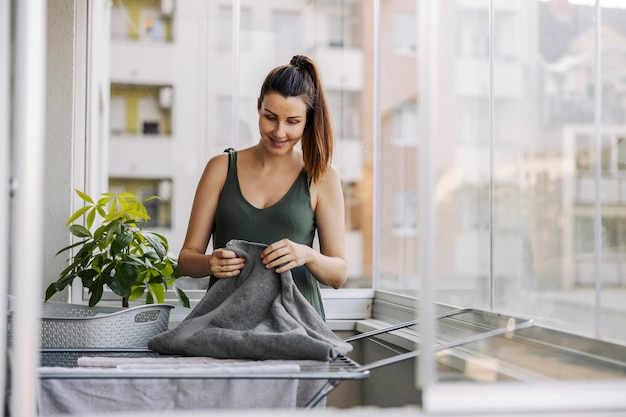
(225, 263)
(225, 254)
(283, 255)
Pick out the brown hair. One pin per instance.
(301, 78)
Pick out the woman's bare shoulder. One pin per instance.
(326, 188)
(215, 170)
(218, 160)
(330, 177)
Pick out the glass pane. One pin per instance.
(398, 196)
(555, 276)
(612, 276)
(517, 153)
(523, 177)
(165, 103)
(528, 190)
(462, 263)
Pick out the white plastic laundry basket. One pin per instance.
(79, 326)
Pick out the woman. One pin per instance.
(274, 193)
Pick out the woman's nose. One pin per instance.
(280, 130)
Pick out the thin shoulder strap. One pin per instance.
(232, 156)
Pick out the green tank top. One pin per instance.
(291, 217)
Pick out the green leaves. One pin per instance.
(79, 231)
(118, 254)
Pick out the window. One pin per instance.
(614, 267)
(405, 210)
(472, 33)
(140, 110)
(343, 26)
(346, 113)
(335, 31)
(621, 152)
(405, 128)
(353, 206)
(142, 21)
(405, 33)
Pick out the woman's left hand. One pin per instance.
(285, 255)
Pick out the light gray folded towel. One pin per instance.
(259, 314)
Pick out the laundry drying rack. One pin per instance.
(476, 324)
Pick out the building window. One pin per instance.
(405, 127)
(344, 106)
(335, 31)
(159, 209)
(353, 205)
(473, 34)
(140, 110)
(612, 153)
(150, 128)
(405, 33)
(405, 212)
(621, 152)
(613, 264)
(142, 20)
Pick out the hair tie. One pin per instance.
(298, 62)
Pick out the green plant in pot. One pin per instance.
(118, 254)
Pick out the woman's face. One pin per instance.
(281, 121)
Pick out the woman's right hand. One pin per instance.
(224, 263)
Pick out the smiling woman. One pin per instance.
(274, 193)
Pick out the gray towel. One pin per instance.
(257, 315)
(82, 394)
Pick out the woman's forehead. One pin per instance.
(284, 106)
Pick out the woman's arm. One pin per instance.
(328, 266)
(193, 260)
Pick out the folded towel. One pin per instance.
(259, 314)
(180, 361)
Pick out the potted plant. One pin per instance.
(118, 254)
